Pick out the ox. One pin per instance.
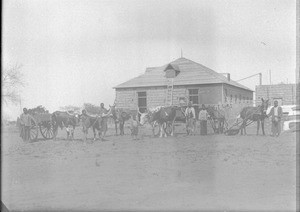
(119, 116)
(89, 121)
(254, 114)
(94, 122)
(163, 116)
(64, 119)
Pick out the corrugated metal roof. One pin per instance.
(191, 73)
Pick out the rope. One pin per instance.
(95, 121)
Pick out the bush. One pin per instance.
(91, 109)
(37, 110)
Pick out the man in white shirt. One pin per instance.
(276, 114)
(190, 119)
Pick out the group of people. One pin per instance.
(104, 114)
(275, 114)
(203, 116)
(190, 114)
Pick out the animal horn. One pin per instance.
(139, 112)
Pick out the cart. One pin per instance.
(40, 122)
(238, 125)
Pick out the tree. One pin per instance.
(92, 109)
(12, 80)
(39, 109)
(71, 108)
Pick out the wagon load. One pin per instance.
(40, 120)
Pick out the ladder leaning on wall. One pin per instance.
(170, 86)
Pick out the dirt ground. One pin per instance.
(213, 172)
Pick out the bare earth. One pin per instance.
(214, 172)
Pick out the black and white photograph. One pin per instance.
(150, 105)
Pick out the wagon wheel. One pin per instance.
(33, 129)
(47, 130)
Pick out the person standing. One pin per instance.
(276, 115)
(134, 127)
(190, 119)
(203, 116)
(103, 120)
(85, 124)
(25, 122)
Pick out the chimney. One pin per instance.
(228, 76)
(260, 79)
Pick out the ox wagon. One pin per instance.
(40, 122)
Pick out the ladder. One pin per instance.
(169, 97)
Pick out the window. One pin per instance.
(142, 101)
(240, 98)
(193, 96)
(225, 93)
(231, 98)
(235, 98)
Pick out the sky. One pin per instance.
(75, 51)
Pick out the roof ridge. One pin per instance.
(211, 72)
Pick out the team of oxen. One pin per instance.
(161, 118)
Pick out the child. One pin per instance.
(134, 127)
(70, 132)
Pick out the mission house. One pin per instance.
(178, 82)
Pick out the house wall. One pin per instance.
(156, 96)
(210, 94)
(286, 92)
(179, 92)
(126, 98)
(238, 92)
